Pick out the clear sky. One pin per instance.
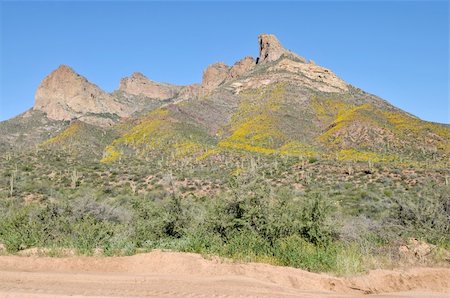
(397, 50)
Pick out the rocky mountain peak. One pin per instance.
(64, 70)
(66, 95)
(138, 84)
(270, 49)
(62, 75)
(138, 75)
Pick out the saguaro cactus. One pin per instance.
(74, 179)
(11, 184)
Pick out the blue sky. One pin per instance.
(397, 50)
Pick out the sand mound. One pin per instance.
(170, 274)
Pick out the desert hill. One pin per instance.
(278, 103)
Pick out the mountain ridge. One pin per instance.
(278, 103)
(65, 89)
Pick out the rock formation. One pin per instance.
(270, 49)
(219, 73)
(214, 75)
(138, 84)
(242, 67)
(276, 64)
(66, 95)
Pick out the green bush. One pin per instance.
(18, 231)
(297, 252)
(425, 214)
(88, 234)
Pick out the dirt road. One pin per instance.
(169, 274)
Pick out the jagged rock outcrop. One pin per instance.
(270, 49)
(190, 91)
(214, 75)
(138, 84)
(66, 95)
(219, 73)
(242, 67)
(285, 67)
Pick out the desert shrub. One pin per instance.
(247, 245)
(251, 223)
(297, 252)
(121, 242)
(424, 214)
(351, 258)
(17, 230)
(174, 217)
(201, 240)
(314, 221)
(89, 233)
(169, 217)
(54, 225)
(313, 159)
(145, 224)
(98, 209)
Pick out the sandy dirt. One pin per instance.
(170, 274)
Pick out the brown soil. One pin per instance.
(170, 274)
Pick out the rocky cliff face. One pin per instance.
(138, 84)
(242, 67)
(276, 64)
(66, 95)
(270, 49)
(214, 75)
(219, 73)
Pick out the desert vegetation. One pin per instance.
(320, 215)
